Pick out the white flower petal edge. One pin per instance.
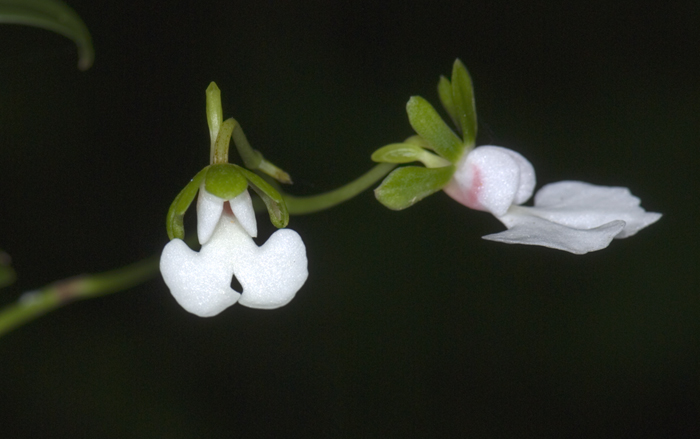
(532, 230)
(573, 216)
(270, 275)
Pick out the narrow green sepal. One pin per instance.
(215, 114)
(445, 93)
(219, 154)
(174, 220)
(276, 207)
(225, 181)
(429, 125)
(463, 103)
(405, 186)
(398, 153)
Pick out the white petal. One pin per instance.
(584, 206)
(201, 282)
(242, 208)
(209, 208)
(492, 178)
(272, 277)
(575, 216)
(532, 230)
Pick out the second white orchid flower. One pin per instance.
(570, 215)
(573, 216)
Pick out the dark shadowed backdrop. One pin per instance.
(410, 325)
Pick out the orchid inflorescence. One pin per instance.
(572, 216)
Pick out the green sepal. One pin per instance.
(398, 153)
(174, 220)
(225, 181)
(214, 113)
(405, 186)
(445, 93)
(276, 207)
(430, 126)
(463, 104)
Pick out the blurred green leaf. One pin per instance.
(429, 125)
(53, 15)
(405, 186)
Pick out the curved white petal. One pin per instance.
(492, 178)
(209, 208)
(242, 208)
(575, 216)
(584, 205)
(532, 230)
(273, 275)
(201, 282)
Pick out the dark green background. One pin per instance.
(410, 325)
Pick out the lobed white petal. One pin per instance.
(273, 274)
(201, 281)
(492, 178)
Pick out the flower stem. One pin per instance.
(314, 203)
(33, 304)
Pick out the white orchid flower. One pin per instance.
(573, 216)
(201, 281)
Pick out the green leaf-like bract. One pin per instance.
(463, 105)
(429, 125)
(398, 153)
(405, 186)
(445, 94)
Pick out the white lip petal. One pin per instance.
(532, 230)
(270, 275)
(492, 178)
(242, 208)
(200, 282)
(273, 275)
(209, 209)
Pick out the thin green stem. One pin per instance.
(303, 205)
(36, 303)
